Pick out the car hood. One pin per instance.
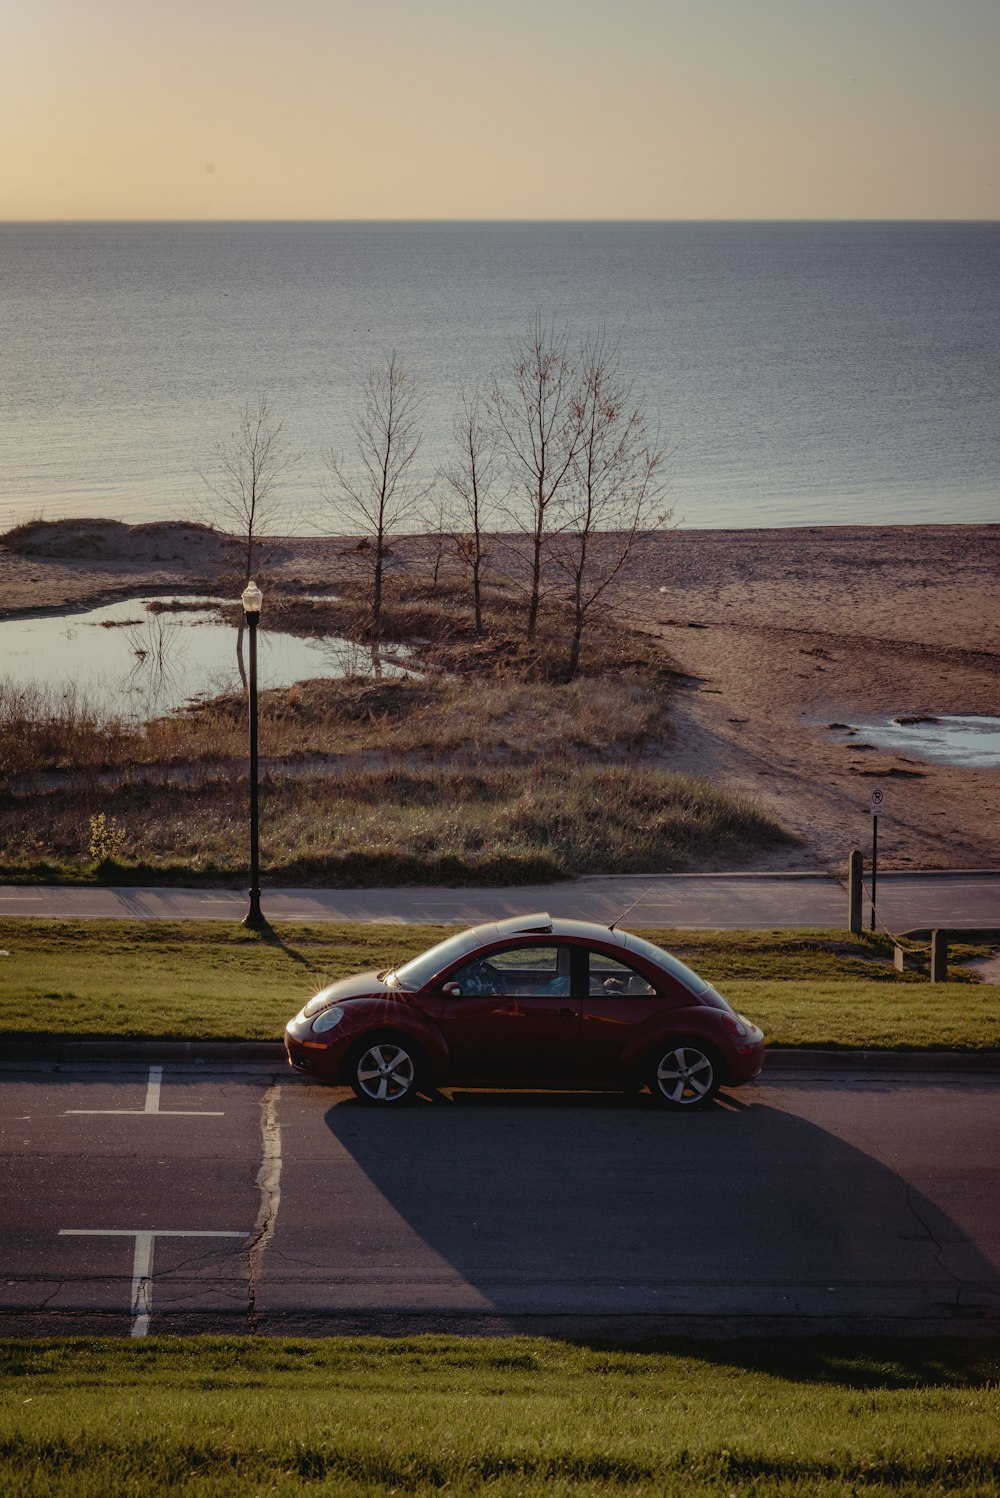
(360, 986)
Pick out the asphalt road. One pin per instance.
(139, 1199)
(754, 901)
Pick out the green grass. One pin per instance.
(99, 1419)
(865, 1016)
(214, 980)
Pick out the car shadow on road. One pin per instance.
(562, 1204)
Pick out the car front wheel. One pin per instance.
(684, 1075)
(385, 1071)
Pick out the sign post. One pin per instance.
(877, 810)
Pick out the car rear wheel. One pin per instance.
(385, 1071)
(685, 1075)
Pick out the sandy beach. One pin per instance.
(775, 634)
(785, 632)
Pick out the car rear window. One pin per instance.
(674, 966)
(420, 970)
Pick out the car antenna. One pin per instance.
(629, 908)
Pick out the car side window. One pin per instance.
(610, 977)
(533, 972)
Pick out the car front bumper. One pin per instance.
(314, 1056)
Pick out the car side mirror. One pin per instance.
(455, 989)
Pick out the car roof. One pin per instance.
(541, 925)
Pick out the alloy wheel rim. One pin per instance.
(684, 1075)
(385, 1073)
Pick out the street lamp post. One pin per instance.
(252, 599)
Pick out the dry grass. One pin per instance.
(485, 768)
(496, 716)
(385, 825)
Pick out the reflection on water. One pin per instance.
(962, 739)
(130, 660)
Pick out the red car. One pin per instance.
(528, 1002)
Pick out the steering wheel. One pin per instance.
(484, 978)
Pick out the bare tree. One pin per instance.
(437, 520)
(379, 488)
(243, 479)
(537, 422)
(470, 477)
(612, 495)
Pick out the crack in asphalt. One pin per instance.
(960, 1281)
(44, 1304)
(269, 1185)
(877, 1152)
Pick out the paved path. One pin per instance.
(752, 901)
(138, 1199)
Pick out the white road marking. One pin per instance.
(153, 1090)
(141, 1302)
(142, 1284)
(152, 1104)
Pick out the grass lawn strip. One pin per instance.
(212, 980)
(520, 1415)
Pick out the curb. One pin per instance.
(834, 876)
(793, 1059)
(146, 1050)
(779, 1058)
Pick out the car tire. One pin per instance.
(684, 1074)
(385, 1071)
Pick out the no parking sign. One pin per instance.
(877, 801)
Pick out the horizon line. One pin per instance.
(721, 220)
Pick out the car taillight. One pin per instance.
(734, 1023)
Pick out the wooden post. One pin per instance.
(855, 891)
(939, 956)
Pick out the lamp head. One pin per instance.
(252, 598)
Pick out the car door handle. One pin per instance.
(567, 1013)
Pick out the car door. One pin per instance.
(509, 1017)
(617, 1000)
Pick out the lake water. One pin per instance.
(128, 660)
(966, 739)
(800, 373)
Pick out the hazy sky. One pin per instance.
(481, 109)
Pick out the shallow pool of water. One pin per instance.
(963, 739)
(125, 659)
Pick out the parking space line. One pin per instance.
(141, 1301)
(142, 1284)
(153, 1090)
(152, 1104)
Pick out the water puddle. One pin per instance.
(964, 739)
(141, 659)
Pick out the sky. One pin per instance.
(499, 109)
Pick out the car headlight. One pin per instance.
(328, 1019)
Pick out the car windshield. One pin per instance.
(419, 972)
(674, 966)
